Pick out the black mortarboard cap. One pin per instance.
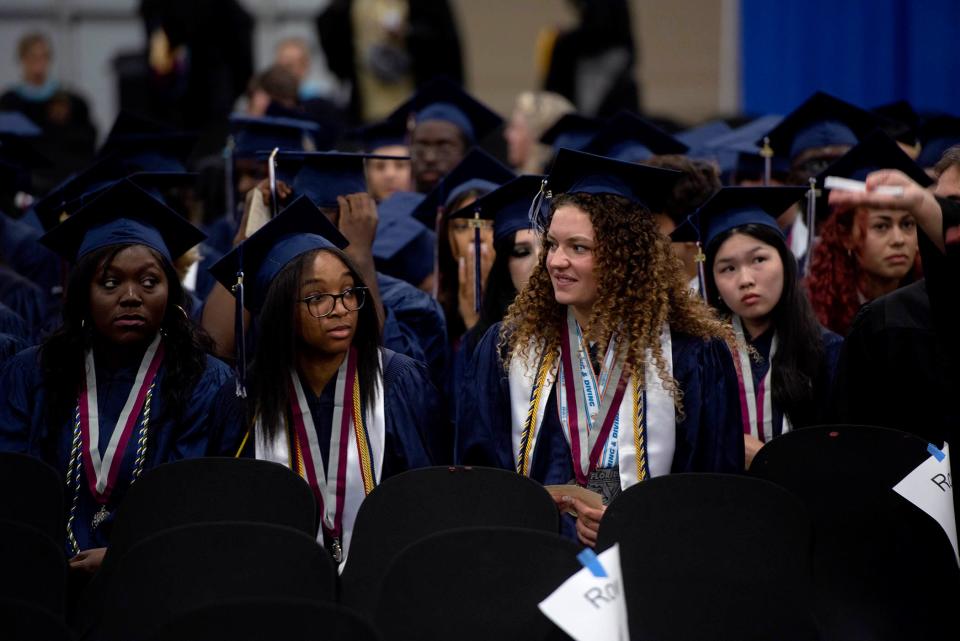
(298, 229)
(403, 247)
(390, 132)
(324, 175)
(876, 151)
(628, 137)
(251, 135)
(733, 207)
(821, 121)
(123, 214)
(478, 170)
(572, 131)
(442, 99)
(508, 206)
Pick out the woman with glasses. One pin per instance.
(322, 397)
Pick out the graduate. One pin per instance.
(386, 176)
(606, 304)
(477, 175)
(785, 360)
(863, 253)
(324, 397)
(446, 122)
(334, 182)
(517, 252)
(126, 383)
(628, 137)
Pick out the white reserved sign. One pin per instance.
(590, 607)
(930, 488)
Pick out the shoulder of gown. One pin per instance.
(709, 431)
(414, 421)
(420, 329)
(21, 380)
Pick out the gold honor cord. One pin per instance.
(243, 443)
(530, 426)
(639, 431)
(366, 469)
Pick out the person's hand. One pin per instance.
(588, 518)
(358, 219)
(88, 561)
(914, 198)
(751, 445)
(283, 191)
(466, 281)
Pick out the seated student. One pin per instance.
(517, 252)
(751, 275)
(606, 303)
(334, 182)
(319, 355)
(125, 384)
(863, 253)
(386, 175)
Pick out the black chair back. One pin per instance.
(31, 492)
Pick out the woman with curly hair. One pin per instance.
(126, 382)
(863, 253)
(606, 370)
(785, 360)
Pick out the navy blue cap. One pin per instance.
(442, 99)
(507, 206)
(733, 207)
(877, 151)
(626, 136)
(688, 231)
(821, 121)
(324, 175)
(751, 166)
(701, 136)
(296, 230)
(403, 247)
(391, 132)
(478, 170)
(571, 131)
(121, 215)
(937, 134)
(581, 172)
(151, 144)
(252, 135)
(743, 138)
(14, 123)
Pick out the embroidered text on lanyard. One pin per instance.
(595, 408)
(102, 470)
(329, 486)
(756, 405)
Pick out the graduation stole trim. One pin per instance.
(103, 469)
(356, 451)
(650, 411)
(756, 404)
(595, 405)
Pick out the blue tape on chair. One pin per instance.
(935, 452)
(588, 559)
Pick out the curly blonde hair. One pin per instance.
(641, 286)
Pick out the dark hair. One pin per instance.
(30, 40)
(62, 354)
(277, 82)
(277, 344)
(698, 181)
(500, 291)
(796, 364)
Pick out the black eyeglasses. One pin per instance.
(320, 305)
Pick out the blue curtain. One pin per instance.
(868, 52)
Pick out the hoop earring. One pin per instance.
(186, 316)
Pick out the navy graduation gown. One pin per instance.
(9, 345)
(415, 324)
(709, 438)
(21, 250)
(822, 386)
(26, 299)
(26, 428)
(410, 404)
(12, 324)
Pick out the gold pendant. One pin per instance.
(99, 517)
(337, 551)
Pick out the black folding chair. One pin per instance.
(261, 619)
(31, 492)
(189, 567)
(34, 568)
(712, 556)
(200, 490)
(475, 584)
(24, 621)
(415, 504)
(883, 569)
